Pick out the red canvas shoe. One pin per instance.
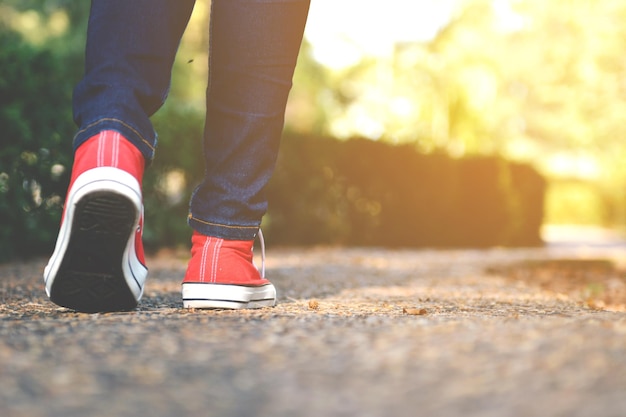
(221, 275)
(98, 263)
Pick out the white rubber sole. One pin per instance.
(224, 296)
(94, 266)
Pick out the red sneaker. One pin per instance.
(221, 275)
(98, 263)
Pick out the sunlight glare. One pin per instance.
(342, 32)
(577, 165)
(58, 22)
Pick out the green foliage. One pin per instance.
(35, 131)
(178, 156)
(533, 81)
(356, 192)
(361, 192)
(571, 201)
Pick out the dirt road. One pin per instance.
(357, 332)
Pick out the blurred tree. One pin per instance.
(35, 153)
(567, 79)
(530, 80)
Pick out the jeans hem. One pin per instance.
(223, 231)
(145, 146)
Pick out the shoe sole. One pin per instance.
(90, 278)
(89, 270)
(224, 296)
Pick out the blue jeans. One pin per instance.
(131, 45)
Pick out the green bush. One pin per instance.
(362, 192)
(35, 156)
(358, 192)
(179, 151)
(324, 191)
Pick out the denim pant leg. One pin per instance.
(253, 50)
(131, 45)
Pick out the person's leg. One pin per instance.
(131, 47)
(253, 50)
(98, 262)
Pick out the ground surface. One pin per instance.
(357, 332)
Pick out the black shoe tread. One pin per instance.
(90, 278)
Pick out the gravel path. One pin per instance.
(357, 332)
